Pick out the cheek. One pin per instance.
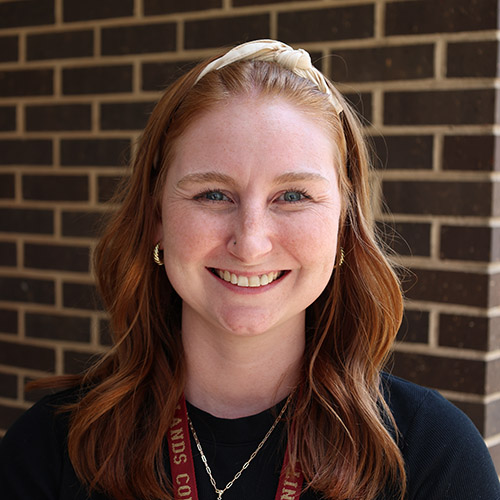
(187, 234)
(313, 240)
(183, 243)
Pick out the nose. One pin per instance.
(251, 236)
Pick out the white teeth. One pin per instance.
(242, 281)
(248, 281)
(254, 281)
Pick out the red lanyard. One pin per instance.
(182, 464)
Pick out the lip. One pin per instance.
(245, 281)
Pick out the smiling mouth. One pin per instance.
(254, 281)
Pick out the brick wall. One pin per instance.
(78, 79)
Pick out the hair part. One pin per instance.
(341, 424)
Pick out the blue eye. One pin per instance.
(293, 196)
(212, 195)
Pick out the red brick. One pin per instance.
(26, 220)
(414, 327)
(8, 385)
(495, 244)
(57, 257)
(362, 104)
(94, 152)
(106, 187)
(471, 152)
(317, 59)
(26, 13)
(27, 356)
(76, 10)
(72, 188)
(26, 82)
(58, 117)
(461, 375)
(158, 75)
(492, 376)
(60, 45)
(8, 253)
(58, 327)
(472, 59)
(125, 115)
(338, 23)
(404, 152)
(225, 31)
(466, 243)
(24, 289)
(7, 118)
(439, 198)
(155, 7)
(25, 152)
(139, 39)
(9, 48)
(446, 16)
(244, 3)
(81, 224)
(441, 107)
(97, 79)
(405, 62)
(80, 296)
(469, 332)
(407, 238)
(7, 186)
(105, 337)
(78, 361)
(8, 321)
(451, 287)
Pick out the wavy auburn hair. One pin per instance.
(342, 425)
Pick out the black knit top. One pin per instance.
(445, 456)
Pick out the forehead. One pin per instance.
(267, 109)
(252, 129)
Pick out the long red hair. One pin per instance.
(342, 425)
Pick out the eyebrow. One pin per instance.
(217, 177)
(204, 177)
(299, 177)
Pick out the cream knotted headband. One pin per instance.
(298, 61)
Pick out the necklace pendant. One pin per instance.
(219, 493)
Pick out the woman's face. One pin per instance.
(250, 214)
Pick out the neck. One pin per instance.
(233, 376)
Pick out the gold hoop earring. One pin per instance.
(156, 255)
(341, 258)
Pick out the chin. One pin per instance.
(246, 330)
(258, 323)
(239, 323)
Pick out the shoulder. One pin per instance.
(33, 455)
(46, 416)
(444, 453)
(409, 401)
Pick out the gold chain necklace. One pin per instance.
(219, 492)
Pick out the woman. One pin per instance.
(252, 310)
